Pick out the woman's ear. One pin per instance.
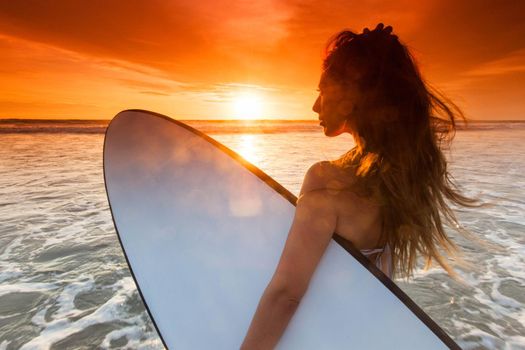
(350, 106)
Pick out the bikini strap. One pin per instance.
(367, 252)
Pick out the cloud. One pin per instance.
(211, 41)
(227, 92)
(497, 74)
(154, 93)
(456, 36)
(204, 51)
(234, 41)
(49, 110)
(511, 63)
(192, 40)
(158, 86)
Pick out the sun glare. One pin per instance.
(247, 106)
(249, 149)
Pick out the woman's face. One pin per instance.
(335, 106)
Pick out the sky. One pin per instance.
(72, 59)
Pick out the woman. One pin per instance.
(385, 195)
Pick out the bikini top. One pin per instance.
(385, 254)
(379, 258)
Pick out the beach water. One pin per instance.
(65, 284)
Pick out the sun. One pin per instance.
(247, 105)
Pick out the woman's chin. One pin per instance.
(338, 130)
(330, 132)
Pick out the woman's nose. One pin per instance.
(317, 104)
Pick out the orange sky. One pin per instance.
(191, 59)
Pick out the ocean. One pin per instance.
(65, 284)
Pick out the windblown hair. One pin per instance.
(400, 126)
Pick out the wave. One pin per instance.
(29, 126)
(266, 126)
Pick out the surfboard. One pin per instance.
(202, 230)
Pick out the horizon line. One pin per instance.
(3, 120)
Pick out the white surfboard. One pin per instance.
(202, 231)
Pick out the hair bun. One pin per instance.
(380, 31)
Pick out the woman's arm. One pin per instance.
(312, 228)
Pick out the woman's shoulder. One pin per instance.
(327, 175)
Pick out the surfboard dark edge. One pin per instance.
(142, 298)
(347, 246)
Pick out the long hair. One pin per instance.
(401, 127)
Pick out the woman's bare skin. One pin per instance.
(358, 218)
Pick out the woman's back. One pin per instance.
(358, 218)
